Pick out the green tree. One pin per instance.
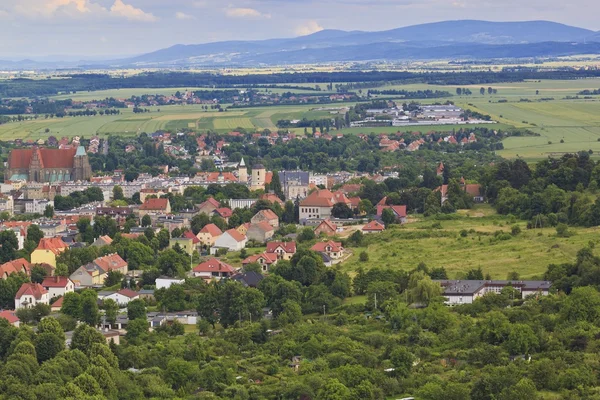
(521, 339)
(38, 273)
(34, 234)
(421, 289)
(118, 193)
(146, 221)
(10, 246)
(341, 210)
(49, 211)
(111, 310)
(84, 337)
(388, 217)
(275, 186)
(90, 313)
(136, 309)
(137, 330)
(71, 305)
(402, 361)
(334, 390)
(50, 339)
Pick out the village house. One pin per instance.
(399, 211)
(283, 250)
(333, 250)
(31, 294)
(267, 216)
(231, 240)
(327, 227)
(373, 227)
(318, 204)
(102, 241)
(123, 296)
(260, 232)
(11, 317)
(467, 291)
(155, 207)
(474, 190)
(249, 279)
(186, 244)
(213, 269)
(209, 234)
(224, 213)
(96, 272)
(47, 251)
(208, 206)
(165, 282)
(265, 260)
(58, 286)
(20, 265)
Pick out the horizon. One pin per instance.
(89, 29)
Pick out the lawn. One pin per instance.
(529, 253)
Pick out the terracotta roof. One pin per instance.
(271, 197)
(55, 245)
(318, 198)
(58, 303)
(288, 247)
(355, 201)
(473, 189)
(155, 204)
(270, 258)
(268, 214)
(128, 293)
(263, 226)
(373, 226)
(49, 158)
(31, 289)
(224, 212)
(131, 235)
(268, 177)
(382, 201)
(10, 316)
(190, 235)
(400, 211)
(15, 266)
(214, 265)
(340, 197)
(322, 246)
(238, 237)
(212, 229)
(328, 224)
(56, 282)
(106, 239)
(211, 201)
(110, 262)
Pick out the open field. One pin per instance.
(529, 253)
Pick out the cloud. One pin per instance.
(128, 11)
(49, 8)
(234, 12)
(308, 28)
(182, 15)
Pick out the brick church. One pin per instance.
(48, 165)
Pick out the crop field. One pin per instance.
(529, 253)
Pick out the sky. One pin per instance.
(96, 29)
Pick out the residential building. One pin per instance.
(327, 227)
(47, 251)
(467, 291)
(373, 227)
(283, 250)
(223, 212)
(213, 269)
(333, 250)
(399, 211)
(231, 240)
(31, 294)
(58, 286)
(474, 190)
(20, 265)
(37, 206)
(208, 206)
(260, 232)
(272, 197)
(267, 216)
(249, 279)
(123, 296)
(186, 244)
(258, 177)
(96, 272)
(11, 317)
(7, 204)
(155, 207)
(165, 282)
(102, 241)
(209, 234)
(319, 203)
(265, 260)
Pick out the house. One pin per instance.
(209, 234)
(272, 197)
(58, 286)
(243, 228)
(373, 227)
(213, 269)
(102, 241)
(260, 232)
(96, 272)
(166, 282)
(474, 190)
(265, 260)
(224, 213)
(112, 262)
(283, 250)
(155, 207)
(399, 211)
(267, 216)
(195, 241)
(467, 291)
(11, 317)
(333, 250)
(47, 250)
(186, 244)
(208, 206)
(231, 240)
(249, 279)
(318, 204)
(31, 294)
(57, 305)
(20, 265)
(123, 296)
(327, 227)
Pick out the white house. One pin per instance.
(58, 286)
(123, 296)
(37, 206)
(213, 269)
(166, 282)
(232, 240)
(467, 291)
(31, 294)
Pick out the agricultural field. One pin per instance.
(528, 253)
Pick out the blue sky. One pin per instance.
(99, 28)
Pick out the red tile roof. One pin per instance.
(106, 239)
(318, 198)
(270, 258)
(272, 198)
(268, 177)
(31, 289)
(373, 226)
(128, 293)
(190, 235)
(56, 282)
(288, 247)
(212, 229)
(268, 214)
(15, 266)
(322, 246)
(58, 303)
(155, 204)
(10, 316)
(110, 262)
(400, 211)
(224, 212)
(238, 237)
(214, 265)
(55, 245)
(131, 235)
(328, 224)
(49, 158)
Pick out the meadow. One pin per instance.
(528, 253)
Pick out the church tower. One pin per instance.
(82, 171)
(242, 172)
(259, 176)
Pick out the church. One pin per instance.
(48, 165)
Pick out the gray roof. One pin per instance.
(455, 287)
(294, 176)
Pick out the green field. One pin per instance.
(529, 253)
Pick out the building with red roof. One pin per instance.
(155, 206)
(20, 265)
(260, 232)
(11, 317)
(123, 296)
(31, 294)
(283, 250)
(223, 212)
(333, 250)
(213, 269)
(47, 251)
(267, 216)
(272, 197)
(373, 227)
(327, 227)
(38, 164)
(209, 234)
(232, 240)
(58, 285)
(265, 260)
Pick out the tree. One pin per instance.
(38, 273)
(90, 313)
(172, 263)
(421, 289)
(136, 330)
(34, 234)
(365, 207)
(521, 339)
(341, 210)
(118, 193)
(146, 221)
(49, 211)
(275, 186)
(474, 274)
(433, 204)
(84, 337)
(458, 91)
(306, 234)
(364, 256)
(136, 309)
(482, 91)
(111, 310)
(402, 361)
(71, 305)
(290, 314)
(388, 217)
(334, 390)
(50, 339)
(10, 246)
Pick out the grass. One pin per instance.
(529, 253)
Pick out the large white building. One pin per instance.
(467, 291)
(232, 240)
(31, 294)
(37, 206)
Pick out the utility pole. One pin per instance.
(376, 301)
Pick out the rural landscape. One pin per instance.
(290, 209)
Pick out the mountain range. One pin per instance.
(463, 39)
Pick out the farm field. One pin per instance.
(529, 253)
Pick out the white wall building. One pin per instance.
(467, 291)
(166, 282)
(37, 206)
(58, 286)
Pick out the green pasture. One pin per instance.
(529, 253)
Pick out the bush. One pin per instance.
(363, 257)
(515, 230)
(562, 230)
(464, 233)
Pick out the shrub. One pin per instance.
(515, 230)
(363, 257)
